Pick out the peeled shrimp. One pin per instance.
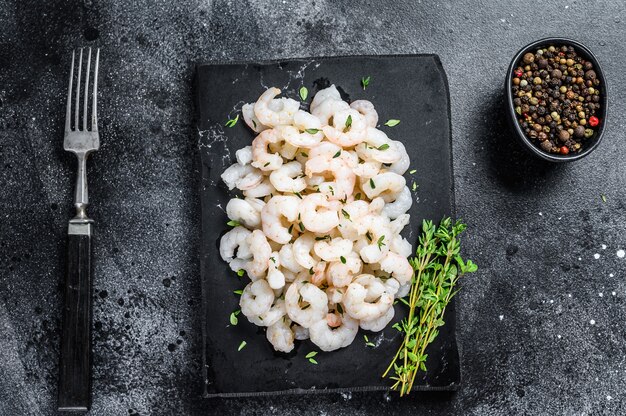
(288, 178)
(401, 246)
(256, 299)
(327, 109)
(378, 324)
(288, 260)
(334, 249)
(262, 159)
(272, 111)
(358, 307)
(261, 252)
(367, 110)
(341, 274)
(387, 183)
(307, 131)
(346, 133)
(318, 214)
(276, 312)
(344, 177)
(302, 251)
(265, 188)
(233, 240)
(272, 215)
(244, 155)
(398, 266)
(251, 119)
(376, 229)
(329, 93)
(280, 335)
(402, 165)
(316, 299)
(328, 339)
(244, 212)
(243, 177)
(401, 205)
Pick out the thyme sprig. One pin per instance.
(437, 268)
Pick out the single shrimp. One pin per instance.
(318, 214)
(401, 165)
(349, 128)
(277, 208)
(376, 229)
(306, 132)
(350, 215)
(341, 274)
(235, 240)
(256, 298)
(242, 177)
(367, 169)
(377, 146)
(367, 110)
(242, 211)
(333, 249)
(330, 339)
(398, 224)
(329, 93)
(305, 303)
(263, 189)
(261, 252)
(398, 266)
(251, 119)
(401, 205)
(272, 111)
(302, 251)
(269, 318)
(262, 159)
(358, 307)
(387, 184)
(378, 324)
(280, 335)
(288, 260)
(326, 149)
(342, 186)
(327, 109)
(288, 178)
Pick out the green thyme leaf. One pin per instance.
(312, 131)
(414, 186)
(290, 229)
(392, 122)
(304, 92)
(304, 154)
(339, 307)
(357, 196)
(233, 317)
(349, 121)
(301, 226)
(298, 194)
(365, 82)
(372, 184)
(345, 214)
(369, 236)
(231, 122)
(413, 171)
(326, 237)
(337, 154)
(380, 242)
(603, 198)
(384, 146)
(233, 223)
(343, 259)
(273, 260)
(238, 292)
(240, 272)
(311, 354)
(312, 361)
(242, 345)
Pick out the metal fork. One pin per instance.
(75, 358)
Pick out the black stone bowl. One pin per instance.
(589, 144)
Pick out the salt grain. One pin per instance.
(592, 322)
(603, 246)
(600, 294)
(596, 256)
(621, 253)
(613, 293)
(501, 317)
(611, 275)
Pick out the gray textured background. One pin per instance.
(525, 329)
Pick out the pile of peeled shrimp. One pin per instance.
(324, 202)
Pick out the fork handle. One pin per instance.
(75, 359)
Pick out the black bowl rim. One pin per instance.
(603, 98)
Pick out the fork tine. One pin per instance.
(68, 112)
(77, 101)
(94, 112)
(86, 91)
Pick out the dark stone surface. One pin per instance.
(525, 329)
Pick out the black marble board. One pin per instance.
(412, 88)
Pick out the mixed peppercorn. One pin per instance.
(556, 95)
